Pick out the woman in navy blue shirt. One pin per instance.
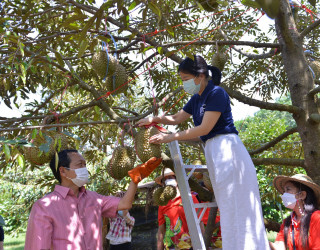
(230, 167)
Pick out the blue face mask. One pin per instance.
(120, 213)
(191, 87)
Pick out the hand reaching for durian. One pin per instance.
(144, 170)
(145, 121)
(161, 138)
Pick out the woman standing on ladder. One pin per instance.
(231, 171)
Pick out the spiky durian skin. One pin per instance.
(219, 60)
(104, 64)
(169, 192)
(122, 160)
(146, 150)
(118, 81)
(58, 142)
(159, 198)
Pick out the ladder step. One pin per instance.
(197, 168)
(208, 204)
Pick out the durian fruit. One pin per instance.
(103, 62)
(206, 181)
(204, 194)
(270, 7)
(146, 150)
(315, 66)
(158, 197)
(219, 59)
(56, 141)
(169, 192)
(122, 160)
(119, 78)
(209, 5)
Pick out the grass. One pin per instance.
(14, 243)
(17, 243)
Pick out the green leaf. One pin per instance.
(21, 46)
(103, 38)
(74, 18)
(160, 50)
(155, 10)
(21, 162)
(56, 160)
(59, 58)
(82, 49)
(6, 151)
(170, 31)
(132, 6)
(85, 29)
(251, 3)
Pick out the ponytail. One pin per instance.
(216, 75)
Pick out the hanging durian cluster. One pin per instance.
(162, 195)
(270, 7)
(219, 60)
(146, 150)
(122, 160)
(56, 141)
(107, 66)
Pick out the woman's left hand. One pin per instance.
(161, 138)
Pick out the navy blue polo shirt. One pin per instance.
(213, 98)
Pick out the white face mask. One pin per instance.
(171, 182)
(289, 200)
(82, 176)
(191, 87)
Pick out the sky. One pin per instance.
(239, 110)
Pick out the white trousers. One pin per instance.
(234, 181)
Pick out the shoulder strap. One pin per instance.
(294, 245)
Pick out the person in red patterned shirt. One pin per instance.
(173, 232)
(301, 194)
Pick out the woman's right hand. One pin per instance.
(145, 121)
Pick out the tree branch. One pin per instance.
(309, 28)
(279, 161)
(242, 43)
(261, 104)
(313, 92)
(271, 53)
(274, 141)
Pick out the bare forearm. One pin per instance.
(166, 119)
(127, 200)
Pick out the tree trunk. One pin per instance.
(300, 81)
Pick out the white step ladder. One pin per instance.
(189, 207)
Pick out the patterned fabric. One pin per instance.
(120, 229)
(60, 220)
(177, 232)
(216, 240)
(314, 233)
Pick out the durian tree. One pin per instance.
(54, 49)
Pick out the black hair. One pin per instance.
(63, 160)
(310, 205)
(199, 66)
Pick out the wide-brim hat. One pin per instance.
(281, 180)
(167, 172)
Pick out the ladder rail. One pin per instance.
(189, 207)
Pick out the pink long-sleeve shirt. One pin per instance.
(62, 221)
